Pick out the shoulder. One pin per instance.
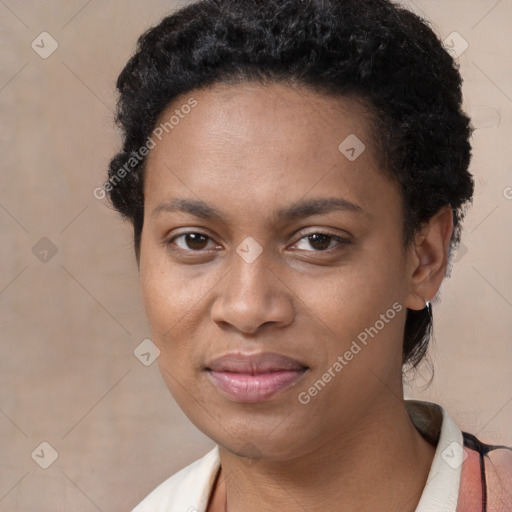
(498, 471)
(186, 490)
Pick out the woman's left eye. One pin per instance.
(322, 241)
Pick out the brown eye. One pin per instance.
(191, 241)
(319, 241)
(322, 242)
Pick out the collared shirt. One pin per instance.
(460, 479)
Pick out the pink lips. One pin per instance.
(256, 377)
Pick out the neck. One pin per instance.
(382, 465)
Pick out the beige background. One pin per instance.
(68, 326)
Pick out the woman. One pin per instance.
(296, 173)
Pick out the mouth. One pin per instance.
(254, 377)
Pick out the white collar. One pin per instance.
(442, 488)
(188, 490)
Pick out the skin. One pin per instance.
(249, 150)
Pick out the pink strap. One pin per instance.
(470, 490)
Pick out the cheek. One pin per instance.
(160, 303)
(369, 284)
(361, 303)
(165, 299)
(166, 305)
(169, 293)
(176, 300)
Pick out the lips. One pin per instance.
(254, 377)
(263, 362)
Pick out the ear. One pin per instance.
(428, 259)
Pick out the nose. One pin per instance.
(252, 295)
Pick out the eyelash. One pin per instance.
(341, 241)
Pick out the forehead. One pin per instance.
(263, 143)
(265, 113)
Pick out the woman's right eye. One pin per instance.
(190, 241)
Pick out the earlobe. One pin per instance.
(428, 258)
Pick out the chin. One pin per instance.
(276, 441)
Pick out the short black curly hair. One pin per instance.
(374, 50)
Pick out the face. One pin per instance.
(272, 267)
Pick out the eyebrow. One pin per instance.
(297, 210)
